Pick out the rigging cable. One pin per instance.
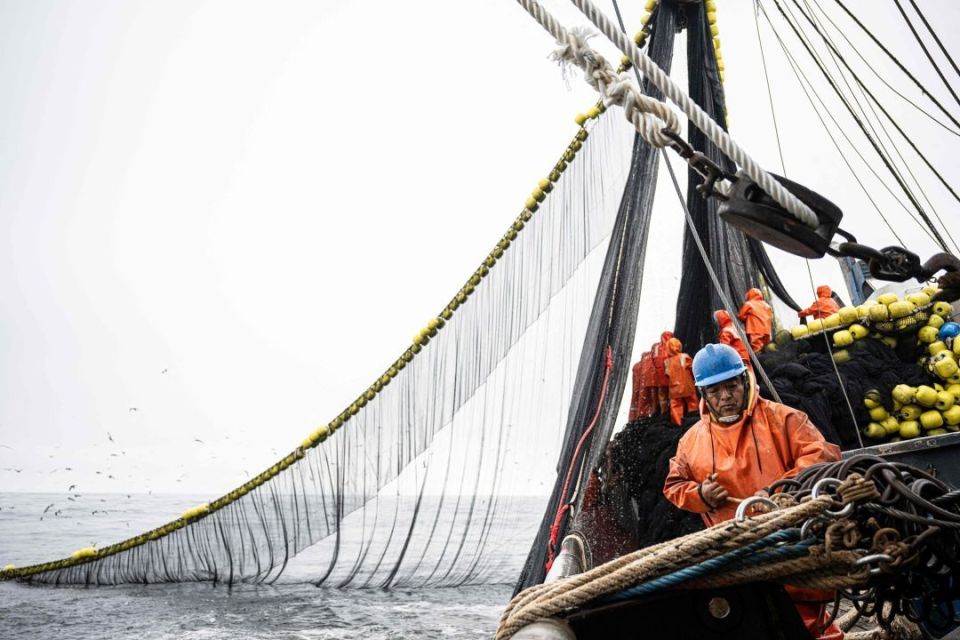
(773, 114)
(909, 140)
(897, 62)
(936, 39)
(879, 76)
(835, 54)
(766, 77)
(883, 157)
(803, 82)
(926, 52)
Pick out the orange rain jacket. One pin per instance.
(823, 306)
(772, 441)
(679, 367)
(728, 335)
(757, 317)
(659, 355)
(641, 403)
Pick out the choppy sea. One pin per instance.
(199, 610)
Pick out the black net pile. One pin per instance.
(625, 509)
(803, 374)
(641, 453)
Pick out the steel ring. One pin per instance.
(741, 514)
(821, 483)
(847, 508)
(873, 557)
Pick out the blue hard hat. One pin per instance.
(716, 363)
(949, 330)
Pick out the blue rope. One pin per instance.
(737, 557)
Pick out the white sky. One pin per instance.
(266, 201)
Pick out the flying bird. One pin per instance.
(132, 409)
(110, 437)
(48, 507)
(163, 372)
(199, 440)
(71, 487)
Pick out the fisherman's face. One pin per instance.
(726, 398)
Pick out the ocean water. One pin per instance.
(201, 610)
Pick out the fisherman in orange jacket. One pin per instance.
(728, 335)
(660, 373)
(742, 444)
(823, 306)
(757, 317)
(683, 393)
(643, 402)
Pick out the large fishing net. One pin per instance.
(432, 472)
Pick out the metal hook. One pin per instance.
(832, 482)
(741, 514)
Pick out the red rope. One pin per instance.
(564, 506)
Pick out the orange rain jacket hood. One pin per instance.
(728, 334)
(823, 306)
(771, 441)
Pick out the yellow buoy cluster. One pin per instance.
(883, 319)
(923, 410)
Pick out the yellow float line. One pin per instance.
(420, 341)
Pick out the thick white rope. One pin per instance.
(649, 116)
(675, 93)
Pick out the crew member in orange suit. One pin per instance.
(683, 393)
(660, 373)
(757, 317)
(742, 444)
(643, 402)
(823, 306)
(728, 335)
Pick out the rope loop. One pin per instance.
(649, 116)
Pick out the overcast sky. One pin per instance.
(221, 219)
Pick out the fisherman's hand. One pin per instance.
(712, 492)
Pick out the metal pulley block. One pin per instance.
(752, 211)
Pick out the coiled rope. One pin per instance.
(574, 48)
(883, 534)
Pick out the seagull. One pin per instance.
(12, 469)
(48, 507)
(132, 409)
(110, 437)
(111, 477)
(163, 372)
(70, 498)
(199, 440)
(71, 487)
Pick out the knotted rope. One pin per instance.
(650, 117)
(700, 118)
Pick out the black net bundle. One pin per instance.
(803, 374)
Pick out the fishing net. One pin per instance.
(432, 472)
(436, 474)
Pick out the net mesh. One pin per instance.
(425, 481)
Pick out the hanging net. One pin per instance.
(431, 473)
